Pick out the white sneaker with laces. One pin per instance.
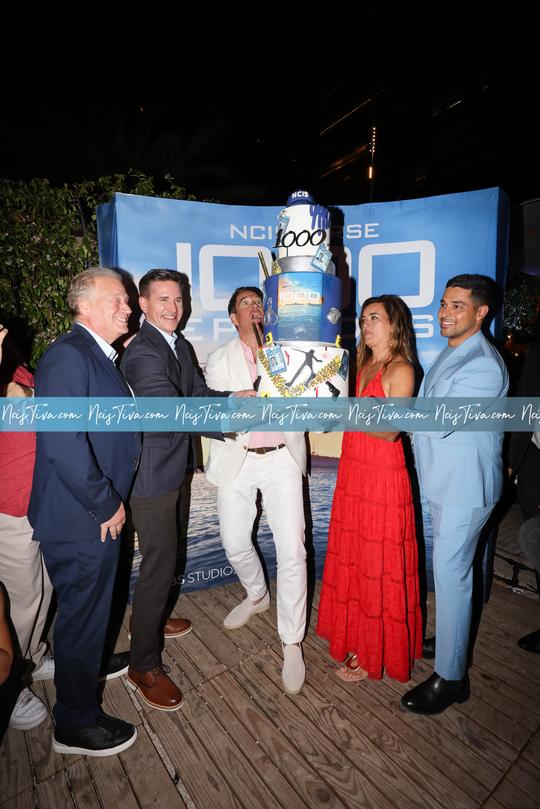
(29, 711)
(241, 614)
(45, 670)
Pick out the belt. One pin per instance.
(264, 450)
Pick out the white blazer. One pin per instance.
(226, 369)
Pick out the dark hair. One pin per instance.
(484, 290)
(402, 336)
(237, 291)
(159, 275)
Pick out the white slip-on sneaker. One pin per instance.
(294, 669)
(45, 670)
(29, 711)
(241, 614)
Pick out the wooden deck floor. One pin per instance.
(240, 741)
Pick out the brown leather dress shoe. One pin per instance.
(176, 627)
(155, 688)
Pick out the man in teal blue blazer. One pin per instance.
(461, 476)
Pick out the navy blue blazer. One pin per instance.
(80, 478)
(152, 369)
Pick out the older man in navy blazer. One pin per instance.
(461, 476)
(81, 481)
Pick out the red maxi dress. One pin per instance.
(369, 601)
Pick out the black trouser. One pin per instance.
(528, 486)
(155, 520)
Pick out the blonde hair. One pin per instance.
(82, 285)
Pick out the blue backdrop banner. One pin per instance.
(407, 248)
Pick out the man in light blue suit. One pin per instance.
(461, 476)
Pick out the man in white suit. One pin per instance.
(460, 474)
(274, 463)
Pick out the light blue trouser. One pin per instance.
(456, 532)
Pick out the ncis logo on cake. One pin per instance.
(304, 227)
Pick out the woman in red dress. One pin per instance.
(369, 607)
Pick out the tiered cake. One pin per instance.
(302, 308)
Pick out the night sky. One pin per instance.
(247, 139)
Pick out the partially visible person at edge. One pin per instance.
(524, 461)
(370, 606)
(23, 571)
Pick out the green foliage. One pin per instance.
(48, 235)
(521, 300)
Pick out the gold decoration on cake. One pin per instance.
(326, 372)
(338, 341)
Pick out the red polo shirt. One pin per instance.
(17, 454)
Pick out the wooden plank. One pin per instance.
(284, 794)
(15, 769)
(258, 632)
(507, 729)
(513, 604)
(111, 782)
(388, 728)
(235, 768)
(492, 803)
(470, 730)
(275, 745)
(455, 747)
(81, 786)
(195, 647)
(24, 800)
(208, 625)
(503, 698)
(44, 760)
(184, 670)
(117, 701)
(526, 776)
(196, 769)
(148, 776)
(54, 793)
(353, 786)
(532, 751)
(512, 797)
(524, 691)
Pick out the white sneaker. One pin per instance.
(45, 670)
(241, 614)
(294, 669)
(29, 711)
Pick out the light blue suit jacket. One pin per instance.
(458, 468)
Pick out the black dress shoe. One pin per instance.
(436, 694)
(117, 665)
(531, 643)
(107, 736)
(428, 649)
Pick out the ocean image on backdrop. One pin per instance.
(206, 562)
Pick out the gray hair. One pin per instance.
(82, 285)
